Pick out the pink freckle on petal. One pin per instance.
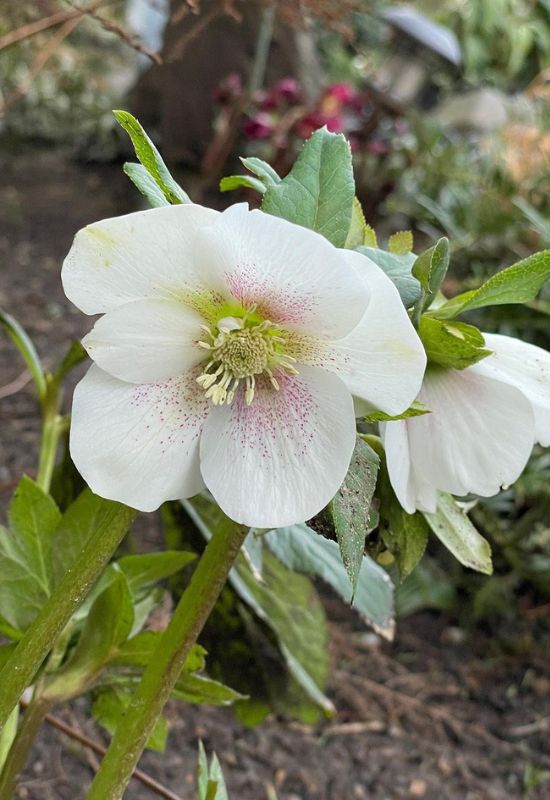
(276, 421)
(277, 303)
(173, 411)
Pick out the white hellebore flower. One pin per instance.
(227, 356)
(483, 424)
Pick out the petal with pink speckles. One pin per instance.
(145, 254)
(281, 459)
(293, 275)
(138, 444)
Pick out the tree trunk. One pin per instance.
(177, 98)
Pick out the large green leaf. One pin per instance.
(193, 688)
(190, 687)
(303, 550)
(144, 570)
(288, 605)
(25, 554)
(519, 283)
(350, 509)
(87, 516)
(450, 344)
(398, 269)
(109, 708)
(453, 528)
(151, 159)
(107, 626)
(318, 192)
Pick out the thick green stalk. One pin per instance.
(20, 669)
(19, 751)
(166, 664)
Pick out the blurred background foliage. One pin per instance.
(447, 108)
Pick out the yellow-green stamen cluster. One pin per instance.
(240, 352)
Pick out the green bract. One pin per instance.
(452, 345)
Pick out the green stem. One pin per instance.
(20, 669)
(54, 425)
(19, 751)
(166, 664)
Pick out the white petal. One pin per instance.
(412, 491)
(281, 459)
(138, 444)
(145, 254)
(526, 367)
(382, 360)
(477, 437)
(146, 341)
(293, 275)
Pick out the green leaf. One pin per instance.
(107, 626)
(416, 410)
(138, 651)
(517, 284)
(405, 536)
(151, 159)
(318, 192)
(109, 708)
(358, 226)
(202, 772)
(87, 516)
(25, 555)
(453, 528)
(288, 605)
(24, 344)
(262, 170)
(427, 587)
(430, 269)
(349, 509)
(146, 184)
(8, 734)
(143, 571)
(75, 356)
(398, 269)
(401, 243)
(232, 182)
(303, 550)
(450, 344)
(210, 780)
(201, 689)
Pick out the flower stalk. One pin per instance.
(17, 756)
(166, 664)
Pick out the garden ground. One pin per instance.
(440, 714)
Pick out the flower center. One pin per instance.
(241, 352)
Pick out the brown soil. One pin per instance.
(438, 714)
